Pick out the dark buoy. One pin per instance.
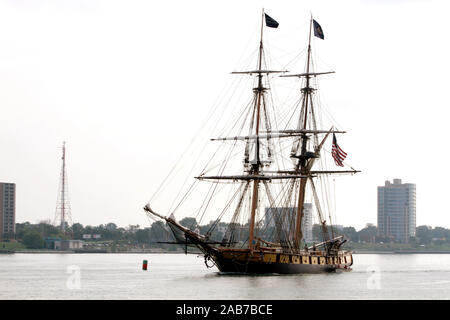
(144, 265)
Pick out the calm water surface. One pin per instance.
(179, 276)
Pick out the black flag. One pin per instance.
(271, 23)
(318, 30)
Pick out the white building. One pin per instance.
(71, 244)
(397, 210)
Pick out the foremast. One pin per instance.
(256, 165)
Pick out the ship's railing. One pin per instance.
(320, 253)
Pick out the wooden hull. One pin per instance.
(258, 262)
(261, 260)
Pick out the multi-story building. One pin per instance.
(286, 216)
(7, 210)
(397, 210)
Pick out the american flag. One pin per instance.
(337, 153)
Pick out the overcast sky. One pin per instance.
(125, 82)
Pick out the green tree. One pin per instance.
(48, 230)
(368, 234)
(440, 233)
(189, 222)
(143, 236)
(21, 228)
(159, 232)
(77, 230)
(111, 226)
(425, 234)
(350, 233)
(33, 240)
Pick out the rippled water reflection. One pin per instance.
(179, 276)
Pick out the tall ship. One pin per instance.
(283, 163)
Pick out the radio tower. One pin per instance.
(62, 214)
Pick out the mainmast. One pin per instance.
(303, 157)
(255, 168)
(306, 159)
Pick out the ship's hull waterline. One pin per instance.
(265, 263)
(261, 260)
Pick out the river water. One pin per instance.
(179, 276)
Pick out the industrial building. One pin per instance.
(59, 244)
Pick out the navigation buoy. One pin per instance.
(144, 265)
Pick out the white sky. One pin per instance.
(125, 83)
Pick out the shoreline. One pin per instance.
(400, 252)
(87, 252)
(182, 252)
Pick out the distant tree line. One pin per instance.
(424, 235)
(33, 235)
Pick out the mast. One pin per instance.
(302, 158)
(255, 166)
